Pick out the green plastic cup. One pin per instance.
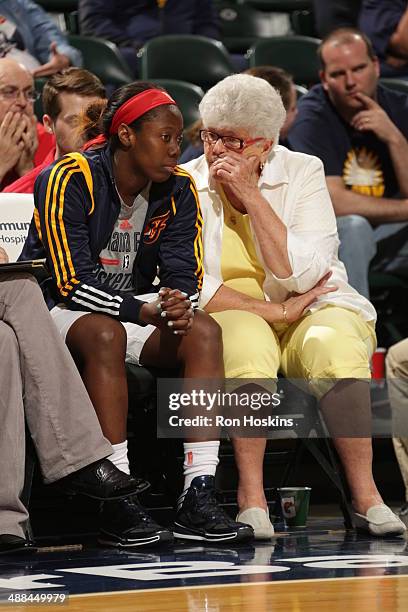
(295, 505)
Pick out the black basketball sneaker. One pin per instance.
(200, 516)
(126, 524)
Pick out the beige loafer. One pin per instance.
(379, 520)
(259, 520)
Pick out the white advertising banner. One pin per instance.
(16, 211)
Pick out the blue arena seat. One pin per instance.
(241, 25)
(296, 54)
(58, 6)
(187, 96)
(195, 59)
(103, 58)
(395, 84)
(280, 5)
(300, 91)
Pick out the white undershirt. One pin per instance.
(118, 257)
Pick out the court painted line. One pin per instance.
(243, 584)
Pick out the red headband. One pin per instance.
(137, 106)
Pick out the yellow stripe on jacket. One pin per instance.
(54, 215)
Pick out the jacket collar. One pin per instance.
(157, 191)
(106, 155)
(274, 172)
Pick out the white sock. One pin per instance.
(200, 459)
(119, 456)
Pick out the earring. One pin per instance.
(261, 166)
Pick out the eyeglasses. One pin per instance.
(12, 93)
(229, 142)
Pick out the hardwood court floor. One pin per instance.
(320, 568)
(386, 594)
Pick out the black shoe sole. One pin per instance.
(140, 489)
(159, 539)
(184, 533)
(20, 550)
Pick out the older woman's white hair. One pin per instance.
(242, 101)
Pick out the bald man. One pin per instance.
(359, 130)
(24, 143)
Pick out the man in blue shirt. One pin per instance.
(359, 130)
(130, 23)
(331, 15)
(29, 36)
(385, 22)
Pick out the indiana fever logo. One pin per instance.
(155, 227)
(363, 173)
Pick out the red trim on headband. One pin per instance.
(94, 142)
(137, 106)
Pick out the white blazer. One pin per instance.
(295, 187)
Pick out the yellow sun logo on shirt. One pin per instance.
(362, 172)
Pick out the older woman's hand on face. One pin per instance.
(240, 174)
(171, 312)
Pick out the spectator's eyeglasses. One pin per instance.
(229, 142)
(12, 93)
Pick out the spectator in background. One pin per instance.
(35, 373)
(281, 80)
(359, 130)
(24, 143)
(332, 14)
(30, 36)
(65, 96)
(385, 22)
(130, 23)
(397, 382)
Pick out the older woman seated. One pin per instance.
(269, 232)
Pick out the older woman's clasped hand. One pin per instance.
(237, 172)
(298, 303)
(171, 312)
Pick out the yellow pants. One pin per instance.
(328, 344)
(397, 379)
